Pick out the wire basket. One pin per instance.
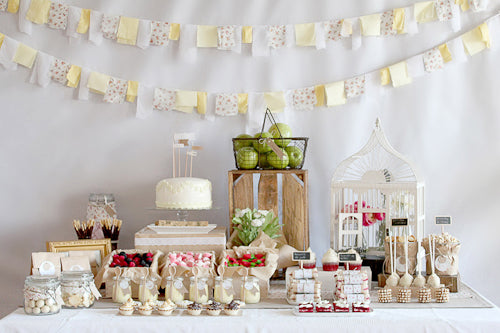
(255, 153)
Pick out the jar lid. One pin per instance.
(101, 197)
(219, 278)
(77, 275)
(42, 280)
(250, 278)
(203, 279)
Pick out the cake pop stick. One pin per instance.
(406, 279)
(419, 280)
(433, 281)
(393, 279)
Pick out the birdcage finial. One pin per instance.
(377, 123)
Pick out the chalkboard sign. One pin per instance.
(343, 257)
(399, 222)
(296, 256)
(442, 220)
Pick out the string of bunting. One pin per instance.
(264, 39)
(46, 68)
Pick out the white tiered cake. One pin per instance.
(184, 193)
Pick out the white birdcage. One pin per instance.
(369, 189)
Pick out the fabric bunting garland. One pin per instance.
(46, 68)
(264, 40)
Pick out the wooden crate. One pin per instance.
(294, 199)
(451, 282)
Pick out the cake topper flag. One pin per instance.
(184, 141)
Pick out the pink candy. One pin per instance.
(190, 259)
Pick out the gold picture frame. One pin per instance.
(103, 245)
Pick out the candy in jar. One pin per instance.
(174, 290)
(223, 290)
(148, 289)
(122, 289)
(42, 295)
(78, 289)
(250, 290)
(198, 290)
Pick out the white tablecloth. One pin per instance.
(259, 320)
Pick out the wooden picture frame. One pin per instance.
(103, 245)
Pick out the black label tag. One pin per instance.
(400, 222)
(296, 256)
(343, 257)
(441, 220)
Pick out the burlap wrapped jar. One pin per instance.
(446, 257)
(400, 257)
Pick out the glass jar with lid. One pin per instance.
(41, 295)
(250, 290)
(223, 290)
(198, 290)
(148, 289)
(78, 289)
(174, 290)
(122, 289)
(102, 206)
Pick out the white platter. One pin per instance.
(331, 314)
(182, 230)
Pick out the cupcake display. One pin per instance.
(330, 260)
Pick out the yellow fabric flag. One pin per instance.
(476, 40)
(127, 30)
(201, 97)
(175, 31)
(2, 36)
(73, 76)
(319, 90)
(38, 12)
(425, 11)
(305, 34)
(13, 6)
(25, 55)
(464, 4)
(370, 25)
(242, 103)
(385, 76)
(275, 101)
(206, 36)
(399, 20)
(445, 52)
(185, 101)
(335, 93)
(247, 34)
(399, 74)
(98, 82)
(84, 23)
(132, 88)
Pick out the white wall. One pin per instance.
(55, 150)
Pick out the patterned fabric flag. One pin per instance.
(109, 26)
(159, 33)
(276, 36)
(58, 16)
(117, 90)
(226, 104)
(3, 5)
(333, 30)
(59, 70)
(163, 99)
(226, 37)
(355, 86)
(433, 60)
(304, 99)
(444, 10)
(387, 24)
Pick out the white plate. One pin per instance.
(331, 314)
(182, 230)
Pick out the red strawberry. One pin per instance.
(260, 265)
(112, 264)
(259, 255)
(131, 264)
(245, 263)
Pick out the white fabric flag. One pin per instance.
(144, 34)
(237, 39)
(210, 111)
(260, 48)
(95, 33)
(356, 34)
(372, 86)
(144, 101)
(455, 21)
(479, 5)
(187, 42)
(83, 92)
(41, 69)
(290, 35)
(457, 50)
(255, 113)
(416, 66)
(74, 14)
(411, 22)
(7, 52)
(319, 28)
(24, 25)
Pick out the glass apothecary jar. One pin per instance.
(122, 289)
(174, 290)
(250, 290)
(78, 289)
(41, 295)
(102, 206)
(223, 290)
(198, 290)
(148, 289)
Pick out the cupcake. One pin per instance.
(330, 260)
(232, 309)
(354, 265)
(214, 308)
(311, 263)
(166, 308)
(127, 308)
(194, 309)
(146, 309)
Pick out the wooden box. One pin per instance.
(282, 191)
(149, 240)
(451, 282)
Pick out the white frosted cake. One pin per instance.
(184, 193)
